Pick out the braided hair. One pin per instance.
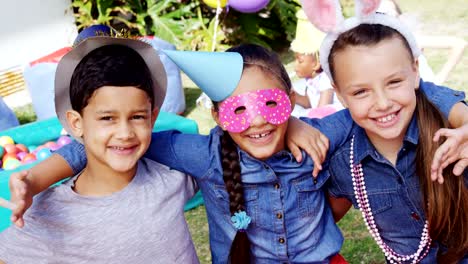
(269, 63)
(240, 248)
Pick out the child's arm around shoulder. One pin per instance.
(455, 146)
(303, 134)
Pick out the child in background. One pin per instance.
(314, 93)
(384, 167)
(262, 206)
(107, 95)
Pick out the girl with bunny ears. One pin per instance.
(371, 60)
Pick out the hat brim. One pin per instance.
(70, 61)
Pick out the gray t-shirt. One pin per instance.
(142, 223)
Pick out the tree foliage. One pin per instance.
(190, 24)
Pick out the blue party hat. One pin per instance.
(93, 31)
(216, 73)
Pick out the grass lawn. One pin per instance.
(436, 17)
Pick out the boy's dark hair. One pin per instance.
(446, 205)
(110, 65)
(269, 63)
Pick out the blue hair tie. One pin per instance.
(241, 220)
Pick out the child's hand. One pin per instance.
(455, 148)
(21, 196)
(302, 136)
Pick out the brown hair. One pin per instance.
(269, 63)
(447, 204)
(240, 248)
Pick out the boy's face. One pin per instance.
(377, 83)
(306, 65)
(116, 127)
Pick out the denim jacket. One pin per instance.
(279, 192)
(291, 220)
(394, 192)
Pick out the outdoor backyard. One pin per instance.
(435, 17)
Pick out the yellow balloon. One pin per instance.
(6, 140)
(214, 3)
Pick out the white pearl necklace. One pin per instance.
(360, 193)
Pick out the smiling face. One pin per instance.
(377, 83)
(116, 127)
(261, 139)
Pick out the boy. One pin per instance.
(120, 208)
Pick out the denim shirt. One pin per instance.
(279, 192)
(394, 192)
(291, 219)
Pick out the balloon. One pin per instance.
(29, 158)
(6, 140)
(214, 3)
(248, 6)
(52, 145)
(22, 148)
(21, 155)
(1, 152)
(8, 156)
(43, 154)
(11, 164)
(64, 140)
(10, 148)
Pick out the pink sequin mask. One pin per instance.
(237, 112)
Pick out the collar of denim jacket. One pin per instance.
(363, 147)
(259, 171)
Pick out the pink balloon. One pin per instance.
(64, 140)
(21, 155)
(248, 6)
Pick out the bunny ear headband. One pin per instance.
(327, 16)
